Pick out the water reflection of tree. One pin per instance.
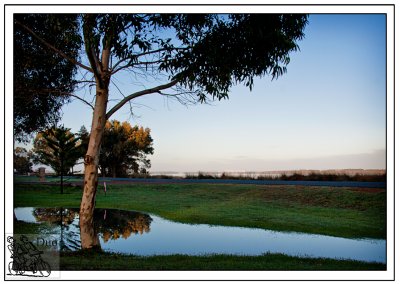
(114, 224)
(56, 215)
(64, 217)
(108, 223)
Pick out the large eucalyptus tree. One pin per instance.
(197, 56)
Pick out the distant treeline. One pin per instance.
(290, 177)
(295, 177)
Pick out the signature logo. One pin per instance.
(26, 258)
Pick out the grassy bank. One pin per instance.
(344, 212)
(107, 261)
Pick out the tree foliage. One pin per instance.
(83, 135)
(199, 55)
(58, 148)
(191, 57)
(125, 148)
(22, 161)
(43, 80)
(225, 50)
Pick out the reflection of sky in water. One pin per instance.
(166, 237)
(25, 214)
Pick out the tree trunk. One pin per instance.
(89, 237)
(102, 75)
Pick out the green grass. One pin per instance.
(21, 227)
(342, 212)
(107, 261)
(51, 179)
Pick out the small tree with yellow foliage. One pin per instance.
(125, 149)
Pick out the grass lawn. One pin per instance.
(343, 212)
(108, 261)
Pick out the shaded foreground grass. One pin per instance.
(107, 261)
(343, 212)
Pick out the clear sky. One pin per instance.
(327, 112)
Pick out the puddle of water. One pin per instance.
(132, 232)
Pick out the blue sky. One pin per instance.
(327, 112)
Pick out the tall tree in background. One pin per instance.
(43, 80)
(124, 148)
(190, 56)
(57, 148)
(83, 135)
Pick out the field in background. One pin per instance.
(295, 175)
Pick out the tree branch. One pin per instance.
(108, 36)
(139, 94)
(84, 81)
(118, 63)
(136, 64)
(82, 100)
(162, 49)
(90, 52)
(56, 50)
(61, 93)
(115, 70)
